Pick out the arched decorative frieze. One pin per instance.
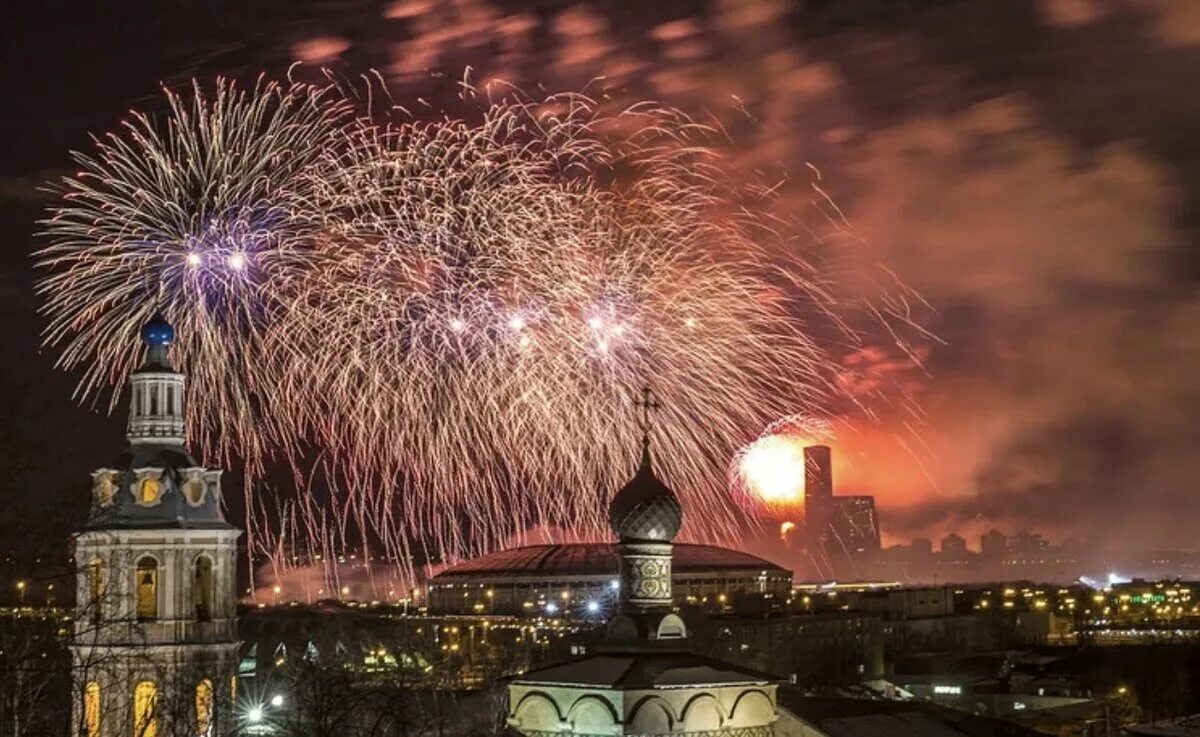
(703, 713)
(592, 714)
(538, 711)
(752, 708)
(651, 715)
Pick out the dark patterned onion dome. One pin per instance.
(645, 508)
(158, 332)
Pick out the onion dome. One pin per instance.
(158, 331)
(158, 335)
(645, 509)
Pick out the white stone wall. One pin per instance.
(596, 711)
(175, 651)
(176, 552)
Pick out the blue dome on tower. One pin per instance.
(158, 332)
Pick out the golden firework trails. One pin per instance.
(440, 326)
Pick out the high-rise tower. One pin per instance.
(818, 493)
(155, 641)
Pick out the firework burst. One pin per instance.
(443, 325)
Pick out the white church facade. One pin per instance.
(155, 633)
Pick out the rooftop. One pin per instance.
(645, 670)
(584, 559)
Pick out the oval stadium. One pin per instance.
(577, 579)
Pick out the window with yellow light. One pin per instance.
(145, 709)
(92, 709)
(147, 589)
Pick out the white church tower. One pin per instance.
(155, 642)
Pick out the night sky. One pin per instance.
(1030, 166)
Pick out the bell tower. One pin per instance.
(155, 637)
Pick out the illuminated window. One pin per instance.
(147, 589)
(96, 586)
(204, 707)
(148, 490)
(91, 709)
(233, 689)
(145, 709)
(202, 588)
(103, 487)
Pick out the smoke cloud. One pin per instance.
(1026, 166)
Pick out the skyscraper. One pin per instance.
(854, 527)
(818, 493)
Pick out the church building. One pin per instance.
(644, 680)
(155, 634)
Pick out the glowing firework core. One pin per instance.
(773, 468)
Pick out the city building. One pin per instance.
(903, 603)
(155, 634)
(993, 544)
(954, 546)
(818, 493)
(644, 677)
(854, 524)
(581, 578)
(837, 525)
(818, 650)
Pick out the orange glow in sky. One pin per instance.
(772, 469)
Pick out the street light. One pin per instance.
(21, 591)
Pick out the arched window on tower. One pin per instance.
(153, 400)
(96, 588)
(204, 707)
(92, 709)
(170, 400)
(146, 587)
(202, 588)
(145, 709)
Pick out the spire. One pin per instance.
(647, 405)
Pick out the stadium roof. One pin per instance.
(598, 559)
